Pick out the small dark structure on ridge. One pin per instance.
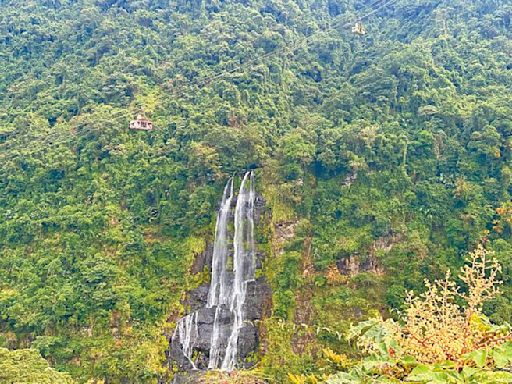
(141, 123)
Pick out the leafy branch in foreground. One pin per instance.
(436, 328)
(439, 340)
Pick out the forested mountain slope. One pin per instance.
(386, 156)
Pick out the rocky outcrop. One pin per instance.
(257, 306)
(202, 260)
(283, 232)
(354, 264)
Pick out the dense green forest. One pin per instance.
(386, 155)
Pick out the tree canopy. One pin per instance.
(386, 154)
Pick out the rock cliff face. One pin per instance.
(355, 263)
(256, 307)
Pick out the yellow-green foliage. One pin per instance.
(303, 379)
(26, 366)
(437, 328)
(404, 132)
(194, 246)
(438, 340)
(279, 358)
(276, 196)
(236, 377)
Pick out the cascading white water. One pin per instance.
(217, 293)
(214, 359)
(226, 292)
(243, 265)
(219, 290)
(187, 331)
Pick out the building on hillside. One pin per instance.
(141, 123)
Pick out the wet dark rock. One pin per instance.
(257, 306)
(247, 341)
(203, 260)
(197, 297)
(188, 378)
(259, 208)
(257, 292)
(177, 359)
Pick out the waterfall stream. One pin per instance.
(187, 331)
(228, 287)
(217, 293)
(219, 289)
(243, 264)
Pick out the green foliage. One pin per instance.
(27, 366)
(285, 283)
(393, 146)
(280, 357)
(438, 340)
(488, 365)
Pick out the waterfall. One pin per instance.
(243, 264)
(217, 293)
(187, 331)
(228, 287)
(219, 289)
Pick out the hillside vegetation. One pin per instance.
(386, 155)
